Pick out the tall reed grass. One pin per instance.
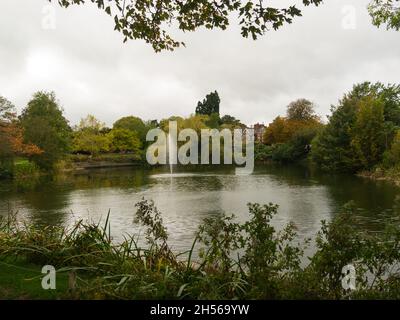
(235, 261)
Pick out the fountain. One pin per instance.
(172, 149)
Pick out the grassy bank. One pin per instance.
(22, 169)
(20, 279)
(268, 266)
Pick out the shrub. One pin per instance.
(24, 169)
(248, 260)
(262, 152)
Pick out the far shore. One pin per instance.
(380, 175)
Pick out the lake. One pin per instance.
(189, 195)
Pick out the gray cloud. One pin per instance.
(85, 62)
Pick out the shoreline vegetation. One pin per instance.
(228, 260)
(361, 136)
(390, 175)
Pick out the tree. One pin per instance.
(228, 119)
(301, 110)
(391, 157)
(11, 138)
(89, 142)
(276, 132)
(6, 154)
(231, 123)
(90, 123)
(340, 146)
(149, 19)
(123, 140)
(300, 115)
(133, 124)
(213, 121)
(368, 132)
(282, 130)
(385, 12)
(195, 122)
(89, 137)
(45, 126)
(209, 105)
(7, 114)
(7, 110)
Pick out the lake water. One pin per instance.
(188, 196)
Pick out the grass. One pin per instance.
(20, 279)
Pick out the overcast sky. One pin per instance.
(319, 57)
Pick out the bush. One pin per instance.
(6, 168)
(248, 260)
(25, 169)
(262, 152)
(297, 148)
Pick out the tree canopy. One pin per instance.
(123, 140)
(385, 12)
(90, 123)
(300, 115)
(150, 20)
(11, 138)
(361, 127)
(302, 110)
(46, 127)
(209, 105)
(88, 136)
(7, 110)
(289, 138)
(134, 124)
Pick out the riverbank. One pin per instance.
(24, 169)
(78, 162)
(380, 174)
(91, 266)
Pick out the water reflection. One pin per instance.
(188, 196)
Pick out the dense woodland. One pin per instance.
(362, 132)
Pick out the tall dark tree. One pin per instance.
(45, 126)
(209, 105)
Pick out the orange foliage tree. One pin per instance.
(11, 135)
(282, 129)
